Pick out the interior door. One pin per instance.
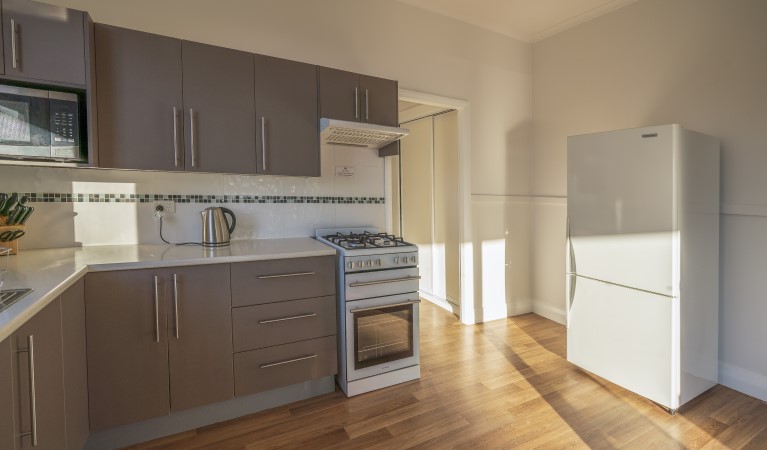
(624, 336)
(219, 109)
(621, 208)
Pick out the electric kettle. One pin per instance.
(216, 229)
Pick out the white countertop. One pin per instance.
(51, 271)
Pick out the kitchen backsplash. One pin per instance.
(110, 207)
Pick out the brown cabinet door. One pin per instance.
(288, 140)
(379, 101)
(8, 427)
(48, 43)
(339, 95)
(140, 120)
(219, 109)
(127, 347)
(200, 336)
(39, 396)
(75, 364)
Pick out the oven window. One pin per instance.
(383, 335)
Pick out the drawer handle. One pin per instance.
(299, 274)
(370, 283)
(266, 366)
(288, 318)
(359, 310)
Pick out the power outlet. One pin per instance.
(168, 206)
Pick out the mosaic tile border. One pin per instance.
(195, 198)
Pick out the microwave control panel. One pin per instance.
(65, 127)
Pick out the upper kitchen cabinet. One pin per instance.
(43, 43)
(287, 114)
(357, 98)
(219, 109)
(139, 82)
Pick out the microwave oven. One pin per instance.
(40, 124)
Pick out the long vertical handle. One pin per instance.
(176, 154)
(32, 388)
(192, 141)
(570, 268)
(356, 103)
(156, 309)
(367, 105)
(14, 52)
(263, 143)
(175, 302)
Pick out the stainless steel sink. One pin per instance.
(10, 296)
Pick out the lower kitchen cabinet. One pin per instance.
(7, 426)
(158, 341)
(37, 374)
(75, 364)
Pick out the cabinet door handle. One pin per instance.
(175, 303)
(266, 366)
(284, 275)
(14, 51)
(371, 283)
(156, 309)
(32, 389)
(356, 103)
(263, 144)
(192, 140)
(303, 316)
(176, 153)
(367, 105)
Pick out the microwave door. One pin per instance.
(24, 119)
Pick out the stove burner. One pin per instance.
(366, 240)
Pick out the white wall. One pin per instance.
(424, 51)
(699, 63)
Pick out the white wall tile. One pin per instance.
(353, 215)
(34, 179)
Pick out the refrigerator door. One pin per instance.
(621, 208)
(625, 336)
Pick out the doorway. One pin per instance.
(426, 198)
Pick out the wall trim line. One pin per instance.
(550, 312)
(743, 380)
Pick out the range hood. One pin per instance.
(356, 134)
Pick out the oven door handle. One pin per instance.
(371, 283)
(359, 310)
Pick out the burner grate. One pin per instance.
(366, 240)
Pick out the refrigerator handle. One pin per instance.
(571, 279)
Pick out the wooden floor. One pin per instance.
(501, 384)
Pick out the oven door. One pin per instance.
(381, 335)
(24, 122)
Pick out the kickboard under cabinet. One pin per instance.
(279, 323)
(283, 365)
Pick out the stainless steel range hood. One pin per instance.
(356, 134)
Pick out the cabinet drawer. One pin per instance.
(280, 323)
(283, 365)
(277, 280)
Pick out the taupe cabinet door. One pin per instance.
(140, 120)
(358, 98)
(40, 372)
(287, 114)
(219, 109)
(8, 429)
(127, 347)
(75, 364)
(200, 336)
(152, 354)
(48, 45)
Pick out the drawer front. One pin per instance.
(284, 322)
(381, 283)
(283, 365)
(278, 280)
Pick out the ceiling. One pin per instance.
(526, 20)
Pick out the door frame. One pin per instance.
(465, 249)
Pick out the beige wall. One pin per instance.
(699, 63)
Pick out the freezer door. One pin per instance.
(625, 336)
(621, 207)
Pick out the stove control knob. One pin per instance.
(378, 262)
(369, 263)
(359, 263)
(404, 260)
(396, 260)
(412, 259)
(350, 264)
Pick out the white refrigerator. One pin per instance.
(642, 260)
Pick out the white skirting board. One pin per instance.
(550, 312)
(447, 305)
(742, 380)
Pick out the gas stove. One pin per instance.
(363, 241)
